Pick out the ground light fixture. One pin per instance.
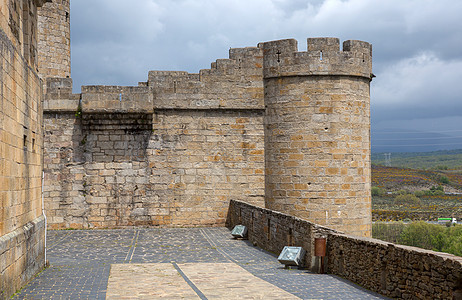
(292, 256)
(239, 231)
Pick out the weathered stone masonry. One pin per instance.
(175, 149)
(172, 151)
(270, 125)
(54, 40)
(317, 132)
(22, 224)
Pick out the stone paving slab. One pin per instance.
(230, 281)
(214, 281)
(147, 281)
(81, 262)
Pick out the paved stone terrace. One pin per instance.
(173, 263)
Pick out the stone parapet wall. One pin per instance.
(59, 96)
(117, 99)
(395, 271)
(392, 270)
(272, 230)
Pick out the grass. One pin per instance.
(24, 286)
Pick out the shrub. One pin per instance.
(437, 191)
(401, 192)
(433, 191)
(444, 179)
(409, 199)
(419, 193)
(376, 191)
(451, 240)
(423, 235)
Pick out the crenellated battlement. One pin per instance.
(323, 57)
(234, 83)
(239, 58)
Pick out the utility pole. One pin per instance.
(387, 159)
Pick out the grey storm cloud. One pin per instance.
(416, 44)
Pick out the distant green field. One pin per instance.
(450, 159)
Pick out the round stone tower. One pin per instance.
(54, 39)
(317, 132)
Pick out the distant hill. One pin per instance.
(443, 159)
(409, 194)
(406, 140)
(395, 179)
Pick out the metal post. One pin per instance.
(320, 250)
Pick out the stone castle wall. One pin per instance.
(175, 149)
(172, 151)
(317, 132)
(22, 224)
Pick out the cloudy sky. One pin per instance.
(417, 49)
